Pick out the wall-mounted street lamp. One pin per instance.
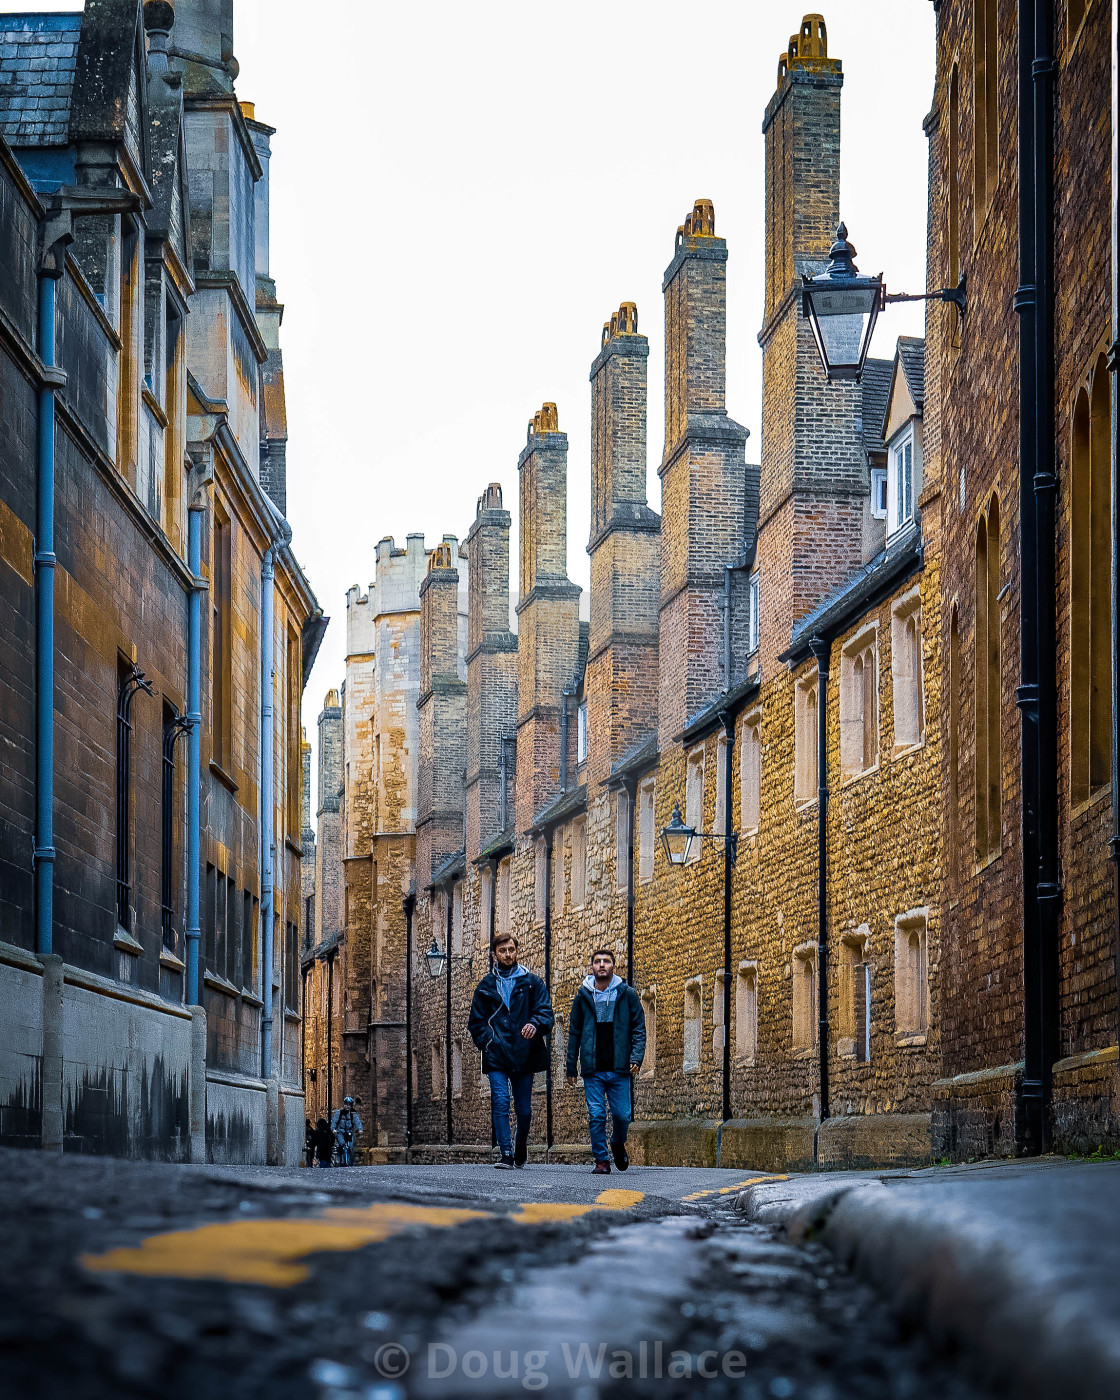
(842, 306)
(435, 957)
(677, 838)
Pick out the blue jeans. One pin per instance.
(500, 1086)
(607, 1086)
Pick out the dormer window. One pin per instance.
(752, 612)
(900, 483)
(581, 732)
(879, 492)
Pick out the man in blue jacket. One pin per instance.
(511, 1016)
(607, 1034)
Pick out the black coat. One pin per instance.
(629, 1031)
(497, 1032)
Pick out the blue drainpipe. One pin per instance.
(45, 561)
(268, 684)
(194, 743)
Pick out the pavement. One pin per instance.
(1014, 1264)
(122, 1279)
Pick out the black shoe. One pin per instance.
(520, 1154)
(602, 1169)
(618, 1152)
(504, 1164)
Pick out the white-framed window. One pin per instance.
(906, 671)
(694, 798)
(879, 492)
(859, 704)
(621, 837)
(900, 483)
(750, 773)
(579, 862)
(581, 732)
(646, 837)
(911, 974)
(746, 1013)
(693, 1024)
(752, 612)
(805, 997)
(649, 1006)
(805, 738)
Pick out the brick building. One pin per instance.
(142, 393)
(789, 654)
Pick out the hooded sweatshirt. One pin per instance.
(506, 981)
(604, 1020)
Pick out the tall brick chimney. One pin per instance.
(709, 503)
(491, 668)
(442, 707)
(621, 684)
(813, 487)
(548, 614)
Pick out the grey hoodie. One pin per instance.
(604, 1000)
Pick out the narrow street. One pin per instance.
(131, 1279)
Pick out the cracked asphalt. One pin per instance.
(126, 1279)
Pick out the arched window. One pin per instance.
(987, 700)
(1090, 590)
(985, 154)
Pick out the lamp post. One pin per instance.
(842, 306)
(437, 959)
(677, 839)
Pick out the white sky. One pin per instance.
(463, 192)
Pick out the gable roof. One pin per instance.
(912, 354)
(876, 388)
(38, 56)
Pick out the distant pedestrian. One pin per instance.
(510, 1021)
(346, 1124)
(308, 1143)
(322, 1140)
(607, 1037)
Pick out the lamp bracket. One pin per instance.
(956, 295)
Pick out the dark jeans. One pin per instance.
(501, 1085)
(603, 1087)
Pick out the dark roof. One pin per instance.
(568, 804)
(581, 659)
(640, 758)
(711, 717)
(497, 845)
(865, 589)
(912, 353)
(877, 375)
(38, 55)
(447, 869)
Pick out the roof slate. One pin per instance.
(912, 353)
(876, 390)
(38, 54)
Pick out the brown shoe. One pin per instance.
(602, 1169)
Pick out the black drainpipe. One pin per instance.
(548, 981)
(630, 789)
(728, 867)
(1037, 694)
(492, 866)
(822, 650)
(409, 907)
(565, 696)
(330, 1036)
(1114, 366)
(450, 900)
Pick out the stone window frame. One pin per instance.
(577, 840)
(859, 730)
(540, 878)
(457, 1067)
(719, 815)
(504, 921)
(806, 777)
(647, 832)
(438, 1068)
(458, 927)
(649, 1007)
(988, 686)
(717, 1016)
(693, 1018)
(750, 773)
(695, 778)
(622, 799)
(745, 1049)
(485, 903)
(853, 954)
(911, 978)
(804, 978)
(905, 610)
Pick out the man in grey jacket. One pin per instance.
(607, 1036)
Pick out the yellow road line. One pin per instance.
(727, 1190)
(271, 1252)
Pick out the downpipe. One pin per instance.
(268, 816)
(409, 909)
(1114, 453)
(547, 983)
(822, 650)
(194, 746)
(728, 867)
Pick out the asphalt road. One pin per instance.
(126, 1279)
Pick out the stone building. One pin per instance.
(1022, 434)
(788, 655)
(149, 969)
